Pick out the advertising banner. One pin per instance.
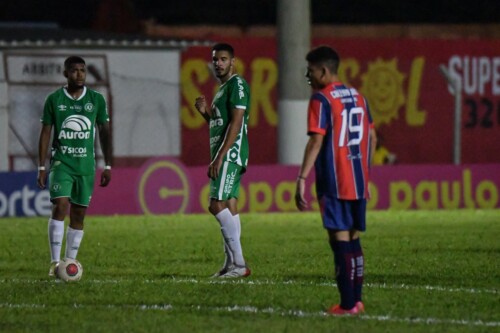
(410, 100)
(166, 186)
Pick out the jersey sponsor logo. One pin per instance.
(214, 140)
(241, 92)
(75, 127)
(89, 107)
(61, 107)
(229, 182)
(354, 156)
(77, 108)
(216, 122)
(338, 93)
(74, 151)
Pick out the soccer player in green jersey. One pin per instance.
(73, 111)
(228, 121)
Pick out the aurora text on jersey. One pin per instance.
(233, 94)
(74, 123)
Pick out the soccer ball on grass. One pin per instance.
(69, 270)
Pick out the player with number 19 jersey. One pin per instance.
(342, 116)
(234, 93)
(74, 128)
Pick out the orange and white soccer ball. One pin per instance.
(69, 270)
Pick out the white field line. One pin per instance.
(270, 282)
(268, 310)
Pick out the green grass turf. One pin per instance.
(435, 271)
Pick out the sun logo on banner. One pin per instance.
(383, 87)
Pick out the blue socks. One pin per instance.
(357, 252)
(345, 268)
(349, 271)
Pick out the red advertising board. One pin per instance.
(410, 100)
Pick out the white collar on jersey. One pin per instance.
(65, 88)
(229, 79)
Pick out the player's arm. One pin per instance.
(43, 146)
(107, 149)
(202, 106)
(310, 154)
(232, 132)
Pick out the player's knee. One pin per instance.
(59, 209)
(212, 209)
(76, 224)
(216, 207)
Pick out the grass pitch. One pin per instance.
(425, 272)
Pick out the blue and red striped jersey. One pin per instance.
(341, 114)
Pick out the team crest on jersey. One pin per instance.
(89, 107)
(61, 107)
(56, 187)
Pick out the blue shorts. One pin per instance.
(338, 214)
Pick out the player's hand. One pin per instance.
(201, 104)
(213, 168)
(300, 201)
(40, 179)
(105, 178)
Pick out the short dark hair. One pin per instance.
(324, 55)
(73, 60)
(224, 47)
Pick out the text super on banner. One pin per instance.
(410, 101)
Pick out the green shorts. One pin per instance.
(64, 184)
(227, 185)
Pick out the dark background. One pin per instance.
(72, 14)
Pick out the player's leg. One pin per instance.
(56, 231)
(229, 229)
(359, 219)
(80, 199)
(223, 203)
(232, 204)
(60, 184)
(359, 261)
(216, 207)
(337, 222)
(229, 258)
(74, 232)
(344, 267)
(240, 268)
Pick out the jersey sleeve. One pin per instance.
(239, 94)
(316, 122)
(48, 112)
(102, 110)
